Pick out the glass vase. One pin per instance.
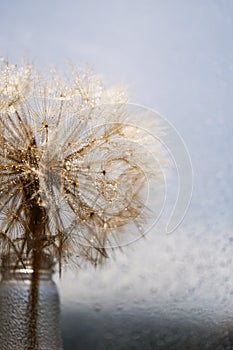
(24, 326)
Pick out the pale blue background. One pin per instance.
(175, 56)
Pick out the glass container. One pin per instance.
(23, 326)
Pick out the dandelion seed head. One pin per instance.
(73, 176)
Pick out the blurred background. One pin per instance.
(174, 56)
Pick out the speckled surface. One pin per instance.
(14, 295)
